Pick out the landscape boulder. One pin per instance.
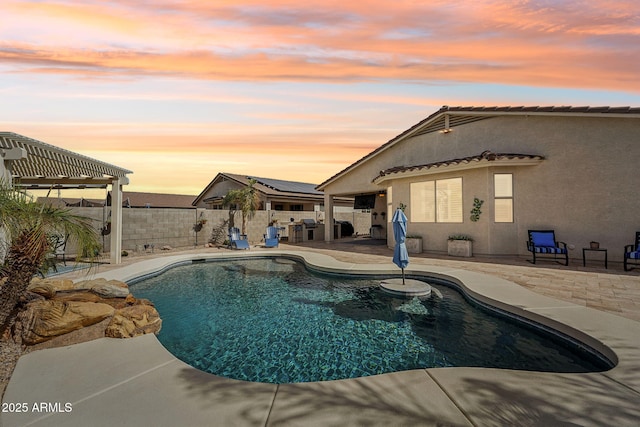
(134, 321)
(57, 285)
(45, 319)
(46, 290)
(104, 288)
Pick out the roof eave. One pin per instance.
(602, 112)
(438, 169)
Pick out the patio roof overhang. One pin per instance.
(31, 164)
(36, 164)
(483, 160)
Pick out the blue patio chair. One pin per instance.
(544, 242)
(632, 252)
(237, 240)
(271, 237)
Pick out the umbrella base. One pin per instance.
(411, 287)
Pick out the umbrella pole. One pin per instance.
(403, 276)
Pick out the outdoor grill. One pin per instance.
(309, 223)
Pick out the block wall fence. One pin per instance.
(174, 227)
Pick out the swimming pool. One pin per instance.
(271, 320)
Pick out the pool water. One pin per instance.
(271, 320)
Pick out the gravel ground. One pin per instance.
(9, 354)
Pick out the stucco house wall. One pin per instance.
(583, 189)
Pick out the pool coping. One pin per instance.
(456, 396)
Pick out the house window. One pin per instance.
(503, 197)
(437, 201)
(296, 207)
(423, 201)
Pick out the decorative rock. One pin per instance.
(111, 289)
(56, 284)
(85, 285)
(45, 289)
(43, 320)
(82, 296)
(134, 321)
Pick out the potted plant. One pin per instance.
(460, 245)
(198, 225)
(413, 243)
(106, 230)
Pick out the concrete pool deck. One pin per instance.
(138, 382)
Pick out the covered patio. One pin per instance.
(35, 165)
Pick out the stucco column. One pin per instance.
(116, 221)
(328, 217)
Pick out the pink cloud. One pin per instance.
(527, 43)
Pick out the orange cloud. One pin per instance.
(168, 57)
(527, 43)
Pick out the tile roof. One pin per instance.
(486, 155)
(156, 200)
(266, 186)
(541, 109)
(461, 115)
(130, 199)
(287, 186)
(70, 202)
(271, 186)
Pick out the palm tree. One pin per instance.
(246, 200)
(26, 231)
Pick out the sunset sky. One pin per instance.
(177, 91)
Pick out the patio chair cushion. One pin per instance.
(541, 239)
(633, 255)
(549, 250)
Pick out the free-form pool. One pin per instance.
(271, 320)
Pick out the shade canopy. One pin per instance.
(35, 164)
(32, 164)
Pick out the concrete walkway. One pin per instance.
(137, 382)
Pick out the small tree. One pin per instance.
(246, 200)
(219, 232)
(26, 228)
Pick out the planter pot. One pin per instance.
(461, 248)
(414, 245)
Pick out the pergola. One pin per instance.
(33, 165)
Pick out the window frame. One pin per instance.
(497, 198)
(434, 200)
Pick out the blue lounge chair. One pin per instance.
(632, 252)
(544, 242)
(271, 237)
(237, 240)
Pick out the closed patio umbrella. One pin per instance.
(400, 254)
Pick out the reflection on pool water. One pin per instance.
(270, 320)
